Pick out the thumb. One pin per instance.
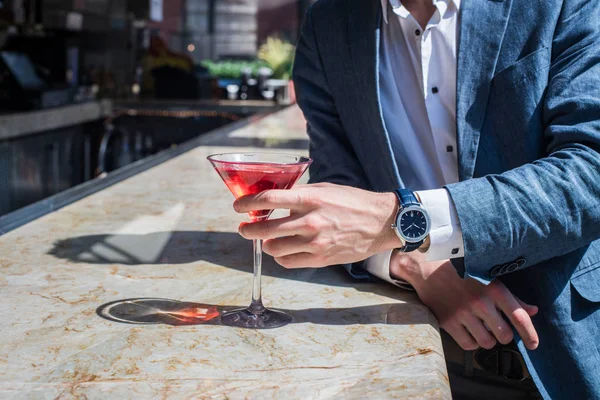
(531, 309)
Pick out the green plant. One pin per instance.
(279, 55)
(231, 69)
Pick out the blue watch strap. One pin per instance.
(408, 247)
(407, 198)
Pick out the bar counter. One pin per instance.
(118, 296)
(18, 124)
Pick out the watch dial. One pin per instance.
(413, 224)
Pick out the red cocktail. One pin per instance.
(248, 179)
(251, 173)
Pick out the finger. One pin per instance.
(286, 246)
(461, 336)
(479, 332)
(520, 319)
(496, 324)
(300, 260)
(531, 310)
(269, 200)
(271, 229)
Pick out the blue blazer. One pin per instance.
(528, 126)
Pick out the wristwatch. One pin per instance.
(412, 221)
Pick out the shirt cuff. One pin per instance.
(445, 237)
(379, 265)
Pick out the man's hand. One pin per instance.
(468, 310)
(328, 224)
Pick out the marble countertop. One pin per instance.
(96, 300)
(26, 123)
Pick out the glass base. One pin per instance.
(267, 319)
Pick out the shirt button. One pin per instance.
(434, 90)
(417, 32)
(449, 149)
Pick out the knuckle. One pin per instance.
(260, 230)
(520, 317)
(309, 198)
(463, 314)
(312, 223)
(496, 289)
(505, 337)
(269, 196)
(481, 306)
(319, 245)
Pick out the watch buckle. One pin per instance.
(395, 229)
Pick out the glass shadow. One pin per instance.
(152, 311)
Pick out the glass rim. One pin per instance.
(302, 159)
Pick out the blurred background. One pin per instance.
(90, 86)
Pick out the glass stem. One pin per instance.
(257, 307)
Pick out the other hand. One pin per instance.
(328, 224)
(468, 310)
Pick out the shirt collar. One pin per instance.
(442, 6)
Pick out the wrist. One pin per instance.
(412, 268)
(404, 266)
(389, 205)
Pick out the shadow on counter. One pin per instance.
(150, 311)
(184, 247)
(179, 247)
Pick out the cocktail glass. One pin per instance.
(251, 173)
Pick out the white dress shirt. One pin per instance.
(417, 75)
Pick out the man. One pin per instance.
(483, 116)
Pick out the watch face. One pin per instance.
(413, 225)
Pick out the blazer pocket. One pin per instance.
(527, 67)
(587, 284)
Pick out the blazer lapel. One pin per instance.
(364, 34)
(482, 27)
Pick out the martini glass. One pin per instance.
(251, 173)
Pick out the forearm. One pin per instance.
(550, 206)
(537, 211)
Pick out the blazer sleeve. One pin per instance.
(334, 159)
(552, 206)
